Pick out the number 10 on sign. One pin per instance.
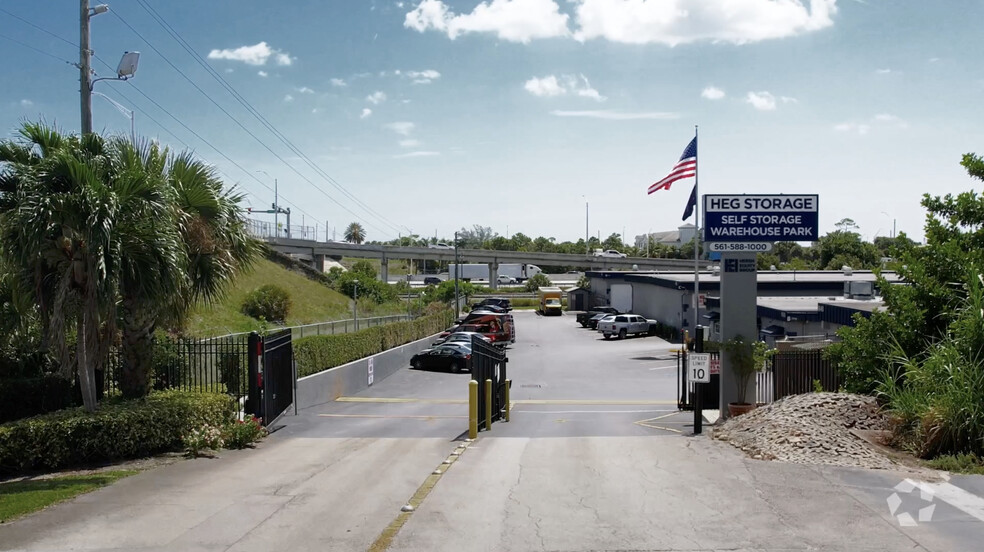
(700, 367)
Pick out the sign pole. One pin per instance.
(699, 387)
(696, 237)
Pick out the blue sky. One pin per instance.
(513, 113)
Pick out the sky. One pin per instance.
(430, 116)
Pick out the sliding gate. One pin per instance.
(489, 363)
(272, 380)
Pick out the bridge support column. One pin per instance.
(494, 275)
(319, 262)
(384, 270)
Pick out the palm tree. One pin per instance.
(104, 229)
(212, 246)
(355, 233)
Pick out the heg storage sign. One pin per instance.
(761, 218)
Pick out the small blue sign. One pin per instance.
(761, 218)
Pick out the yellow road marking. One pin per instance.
(653, 426)
(648, 422)
(568, 402)
(421, 417)
(385, 538)
(400, 400)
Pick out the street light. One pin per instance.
(126, 68)
(893, 223)
(587, 248)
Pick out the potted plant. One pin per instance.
(747, 358)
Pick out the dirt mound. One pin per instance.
(814, 428)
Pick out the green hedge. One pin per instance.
(318, 353)
(24, 397)
(117, 429)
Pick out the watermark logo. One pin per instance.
(911, 515)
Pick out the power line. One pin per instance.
(45, 31)
(38, 50)
(253, 111)
(243, 127)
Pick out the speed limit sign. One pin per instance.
(700, 367)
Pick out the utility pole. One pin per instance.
(355, 303)
(457, 265)
(587, 247)
(276, 208)
(85, 69)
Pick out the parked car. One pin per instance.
(465, 338)
(439, 245)
(501, 302)
(498, 327)
(454, 357)
(623, 325)
(503, 279)
(594, 320)
(584, 317)
(432, 281)
(490, 308)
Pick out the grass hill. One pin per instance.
(312, 301)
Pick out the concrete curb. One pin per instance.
(349, 379)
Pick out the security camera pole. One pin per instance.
(457, 263)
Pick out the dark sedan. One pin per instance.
(453, 357)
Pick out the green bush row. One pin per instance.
(117, 429)
(321, 352)
(24, 397)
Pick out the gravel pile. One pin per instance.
(814, 428)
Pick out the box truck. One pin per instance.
(480, 271)
(521, 272)
(469, 271)
(550, 301)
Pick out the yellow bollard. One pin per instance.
(473, 409)
(488, 405)
(508, 406)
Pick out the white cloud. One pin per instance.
(288, 98)
(338, 82)
(257, 54)
(26, 103)
(787, 99)
(852, 127)
(263, 74)
(883, 71)
(409, 143)
(881, 120)
(546, 87)
(402, 127)
(934, 59)
(316, 110)
(229, 70)
(673, 22)
(610, 115)
(376, 97)
(763, 101)
(552, 85)
(422, 77)
(417, 154)
(511, 20)
(366, 112)
(305, 90)
(712, 93)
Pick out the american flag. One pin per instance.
(686, 167)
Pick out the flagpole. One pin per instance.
(696, 237)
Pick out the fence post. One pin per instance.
(254, 374)
(488, 405)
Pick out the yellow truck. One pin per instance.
(550, 301)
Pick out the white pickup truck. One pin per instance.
(624, 324)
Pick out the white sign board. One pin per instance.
(739, 247)
(700, 367)
(370, 370)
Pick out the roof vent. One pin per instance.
(847, 270)
(716, 270)
(772, 268)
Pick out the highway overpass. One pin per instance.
(316, 252)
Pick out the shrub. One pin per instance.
(321, 352)
(201, 439)
(538, 281)
(117, 429)
(24, 397)
(267, 302)
(243, 433)
(367, 287)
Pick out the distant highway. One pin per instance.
(310, 249)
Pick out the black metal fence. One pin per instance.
(786, 373)
(215, 365)
(489, 363)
